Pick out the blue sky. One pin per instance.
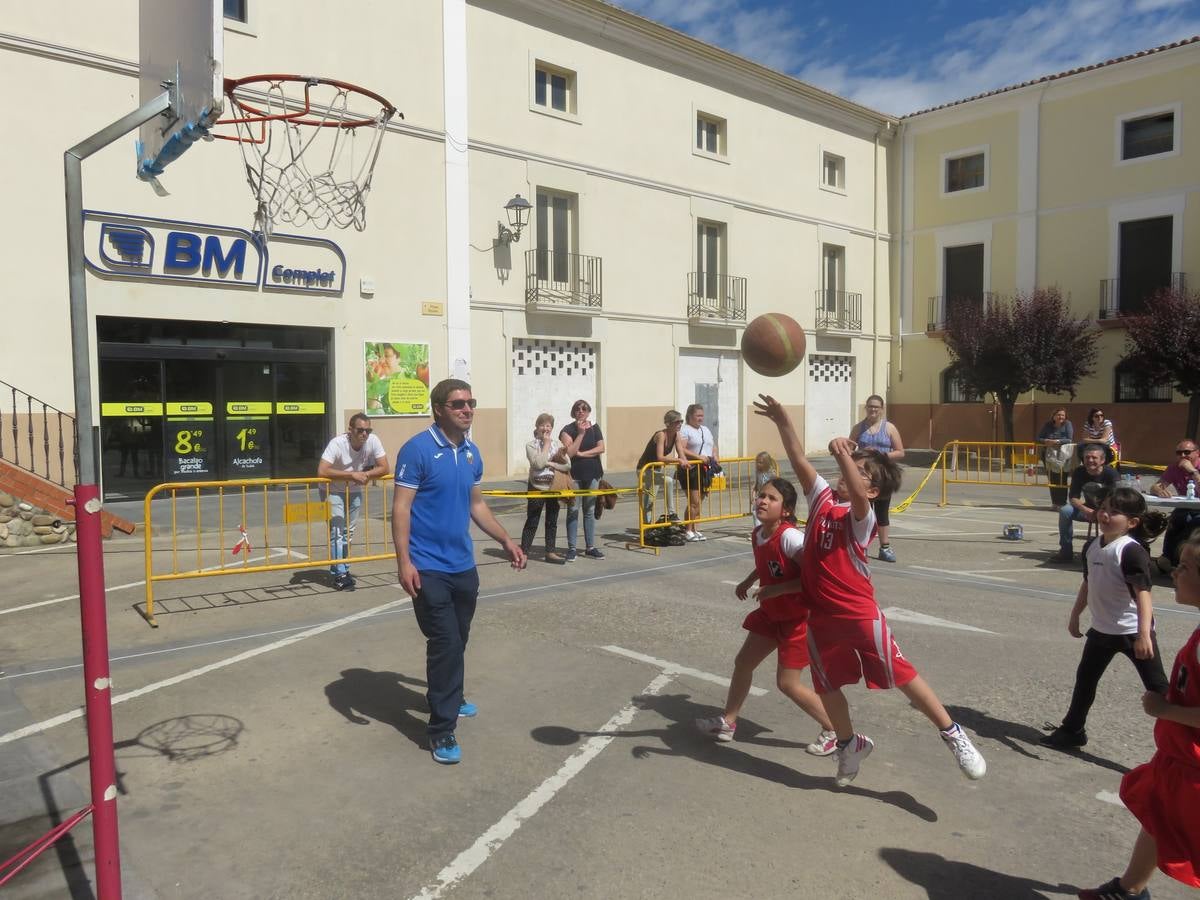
(899, 56)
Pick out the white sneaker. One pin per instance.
(850, 758)
(693, 536)
(825, 744)
(699, 536)
(968, 758)
(717, 727)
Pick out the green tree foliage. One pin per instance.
(1162, 347)
(1008, 347)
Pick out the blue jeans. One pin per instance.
(589, 516)
(444, 607)
(1067, 517)
(341, 533)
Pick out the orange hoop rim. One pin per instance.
(250, 113)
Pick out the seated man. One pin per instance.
(1178, 474)
(1089, 484)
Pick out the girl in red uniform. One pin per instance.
(779, 622)
(1164, 794)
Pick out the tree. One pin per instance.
(1008, 347)
(1162, 346)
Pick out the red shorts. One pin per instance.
(790, 636)
(1163, 794)
(843, 651)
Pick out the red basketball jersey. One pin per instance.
(837, 579)
(1172, 738)
(773, 567)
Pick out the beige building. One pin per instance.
(677, 191)
(1086, 181)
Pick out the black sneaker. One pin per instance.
(1112, 890)
(593, 553)
(343, 583)
(1065, 739)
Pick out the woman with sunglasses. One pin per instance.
(1099, 430)
(584, 443)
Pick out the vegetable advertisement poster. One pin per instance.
(397, 378)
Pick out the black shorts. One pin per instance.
(880, 504)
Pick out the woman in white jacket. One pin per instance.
(545, 458)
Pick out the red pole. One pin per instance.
(97, 691)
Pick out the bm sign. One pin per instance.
(143, 248)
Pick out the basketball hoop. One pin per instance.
(309, 156)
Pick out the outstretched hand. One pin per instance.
(768, 406)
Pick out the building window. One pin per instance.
(965, 172)
(833, 276)
(236, 10)
(1145, 248)
(710, 258)
(1127, 390)
(554, 89)
(1148, 135)
(954, 391)
(833, 172)
(710, 135)
(556, 229)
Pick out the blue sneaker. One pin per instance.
(571, 554)
(467, 710)
(445, 749)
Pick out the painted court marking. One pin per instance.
(960, 572)
(677, 669)
(492, 839)
(1110, 797)
(897, 614)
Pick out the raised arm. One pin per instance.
(768, 406)
(842, 450)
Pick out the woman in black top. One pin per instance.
(584, 443)
(662, 447)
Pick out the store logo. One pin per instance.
(123, 246)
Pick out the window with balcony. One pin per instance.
(554, 89)
(1148, 135)
(1126, 388)
(1144, 267)
(837, 308)
(555, 272)
(833, 172)
(954, 391)
(962, 284)
(965, 172)
(710, 135)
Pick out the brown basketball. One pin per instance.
(773, 344)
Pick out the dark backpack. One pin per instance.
(673, 535)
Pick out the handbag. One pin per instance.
(605, 501)
(562, 482)
(1058, 459)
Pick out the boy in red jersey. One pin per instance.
(848, 637)
(1164, 794)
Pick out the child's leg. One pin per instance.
(791, 683)
(1098, 652)
(1142, 863)
(1150, 670)
(754, 650)
(838, 711)
(923, 698)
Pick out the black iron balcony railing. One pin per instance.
(1127, 296)
(713, 296)
(940, 308)
(556, 278)
(838, 310)
(37, 437)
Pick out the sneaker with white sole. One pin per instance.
(887, 554)
(825, 744)
(445, 749)
(692, 536)
(850, 757)
(717, 727)
(968, 758)
(467, 710)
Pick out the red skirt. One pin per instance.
(1164, 795)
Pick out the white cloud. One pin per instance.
(904, 76)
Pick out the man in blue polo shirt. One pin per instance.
(437, 497)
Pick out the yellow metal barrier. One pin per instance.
(995, 463)
(730, 494)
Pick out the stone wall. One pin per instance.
(25, 525)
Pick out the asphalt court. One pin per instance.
(273, 745)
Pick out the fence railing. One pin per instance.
(838, 310)
(1127, 296)
(713, 296)
(558, 278)
(941, 308)
(37, 437)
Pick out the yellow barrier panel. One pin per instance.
(729, 496)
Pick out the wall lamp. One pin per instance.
(517, 210)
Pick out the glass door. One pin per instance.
(131, 426)
(300, 422)
(191, 433)
(247, 395)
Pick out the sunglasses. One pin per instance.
(462, 404)
(1185, 452)
(363, 430)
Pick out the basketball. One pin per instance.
(773, 344)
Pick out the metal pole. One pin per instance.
(89, 551)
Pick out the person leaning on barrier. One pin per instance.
(350, 460)
(1183, 470)
(664, 446)
(1090, 483)
(699, 444)
(438, 495)
(1055, 436)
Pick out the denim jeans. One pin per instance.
(444, 607)
(341, 533)
(1067, 517)
(589, 517)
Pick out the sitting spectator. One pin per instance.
(545, 458)
(1099, 430)
(663, 447)
(1089, 485)
(1054, 434)
(1178, 475)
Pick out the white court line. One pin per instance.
(898, 614)
(1110, 797)
(492, 839)
(120, 587)
(47, 724)
(676, 669)
(734, 583)
(961, 572)
(957, 534)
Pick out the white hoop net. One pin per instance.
(315, 167)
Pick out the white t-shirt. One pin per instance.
(791, 542)
(698, 440)
(344, 458)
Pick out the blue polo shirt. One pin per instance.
(439, 537)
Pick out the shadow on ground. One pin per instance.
(362, 695)
(947, 879)
(1016, 735)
